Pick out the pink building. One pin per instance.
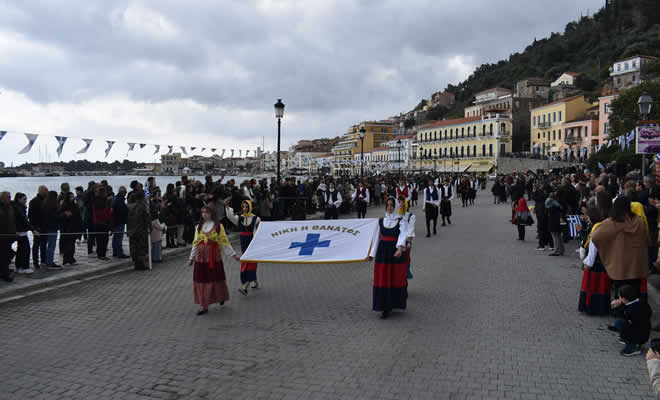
(579, 137)
(604, 104)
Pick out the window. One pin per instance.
(554, 135)
(618, 67)
(538, 136)
(633, 78)
(586, 131)
(483, 130)
(634, 64)
(579, 133)
(490, 129)
(559, 116)
(554, 117)
(483, 150)
(462, 151)
(625, 66)
(502, 148)
(445, 152)
(606, 108)
(462, 132)
(468, 151)
(451, 151)
(435, 134)
(544, 118)
(543, 135)
(559, 134)
(534, 120)
(606, 128)
(474, 150)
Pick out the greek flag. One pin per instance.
(600, 165)
(573, 221)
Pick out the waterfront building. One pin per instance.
(629, 72)
(547, 120)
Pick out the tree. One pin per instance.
(625, 112)
(409, 123)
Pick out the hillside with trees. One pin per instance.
(622, 28)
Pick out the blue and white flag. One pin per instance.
(147, 194)
(232, 153)
(2, 134)
(193, 148)
(31, 138)
(131, 147)
(60, 144)
(169, 149)
(110, 144)
(142, 145)
(573, 221)
(183, 149)
(157, 146)
(239, 153)
(309, 242)
(88, 142)
(202, 149)
(600, 165)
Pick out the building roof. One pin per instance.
(448, 122)
(558, 102)
(637, 56)
(491, 89)
(572, 73)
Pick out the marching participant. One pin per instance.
(431, 206)
(332, 202)
(445, 203)
(406, 215)
(403, 190)
(209, 279)
(247, 224)
(361, 199)
(390, 284)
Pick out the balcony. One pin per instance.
(572, 139)
(544, 125)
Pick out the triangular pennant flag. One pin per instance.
(202, 149)
(31, 137)
(110, 144)
(169, 149)
(213, 150)
(232, 153)
(60, 144)
(157, 146)
(2, 134)
(88, 142)
(131, 146)
(142, 145)
(223, 153)
(183, 149)
(239, 153)
(246, 152)
(193, 148)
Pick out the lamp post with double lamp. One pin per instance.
(398, 144)
(645, 104)
(279, 113)
(362, 131)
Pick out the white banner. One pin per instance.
(313, 242)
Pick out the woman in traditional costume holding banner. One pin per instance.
(406, 215)
(209, 280)
(247, 224)
(390, 284)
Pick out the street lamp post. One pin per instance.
(645, 104)
(279, 113)
(362, 131)
(421, 158)
(398, 143)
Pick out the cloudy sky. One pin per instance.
(207, 73)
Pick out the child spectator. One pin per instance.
(633, 320)
(157, 229)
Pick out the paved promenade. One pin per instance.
(489, 318)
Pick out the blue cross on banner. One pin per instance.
(307, 247)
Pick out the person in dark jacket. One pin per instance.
(119, 220)
(88, 216)
(553, 211)
(23, 226)
(50, 226)
(539, 195)
(7, 235)
(102, 218)
(71, 228)
(139, 224)
(633, 319)
(35, 216)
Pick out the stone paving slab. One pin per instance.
(488, 318)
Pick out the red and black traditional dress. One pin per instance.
(247, 224)
(209, 280)
(596, 285)
(390, 289)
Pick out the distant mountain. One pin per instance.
(620, 29)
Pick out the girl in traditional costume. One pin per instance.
(247, 224)
(596, 284)
(390, 289)
(209, 280)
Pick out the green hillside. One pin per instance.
(620, 29)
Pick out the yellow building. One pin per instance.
(546, 123)
(376, 133)
(457, 145)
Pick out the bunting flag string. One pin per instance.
(2, 134)
(110, 144)
(157, 146)
(31, 138)
(88, 142)
(60, 144)
(183, 149)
